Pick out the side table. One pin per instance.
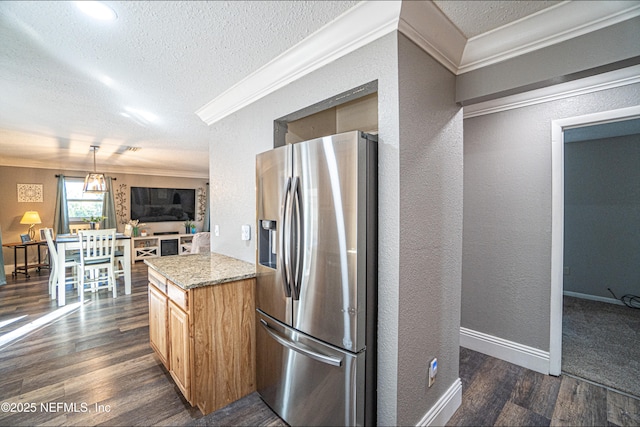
(24, 269)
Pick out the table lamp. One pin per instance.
(32, 218)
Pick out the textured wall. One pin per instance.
(430, 230)
(506, 257)
(236, 140)
(419, 180)
(602, 213)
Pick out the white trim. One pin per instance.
(429, 28)
(445, 407)
(113, 169)
(612, 79)
(359, 26)
(593, 297)
(512, 352)
(550, 26)
(557, 218)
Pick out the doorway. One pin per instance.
(558, 128)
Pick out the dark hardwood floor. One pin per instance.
(94, 366)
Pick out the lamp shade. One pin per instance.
(95, 183)
(31, 217)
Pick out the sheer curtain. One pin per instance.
(61, 213)
(109, 206)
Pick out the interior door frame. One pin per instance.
(557, 218)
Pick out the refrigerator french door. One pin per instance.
(316, 279)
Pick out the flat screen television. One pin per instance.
(163, 204)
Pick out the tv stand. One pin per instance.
(151, 246)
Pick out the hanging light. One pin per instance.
(95, 182)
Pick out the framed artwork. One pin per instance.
(30, 193)
(128, 229)
(24, 238)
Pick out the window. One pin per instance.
(81, 204)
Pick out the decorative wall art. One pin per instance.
(30, 193)
(202, 203)
(120, 196)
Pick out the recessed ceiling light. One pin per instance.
(97, 10)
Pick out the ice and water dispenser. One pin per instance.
(267, 243)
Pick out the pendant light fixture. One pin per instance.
(95, 182)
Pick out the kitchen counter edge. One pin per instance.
(199, 270)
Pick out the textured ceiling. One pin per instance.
(477, 17)
(72, 81)
(67, 82)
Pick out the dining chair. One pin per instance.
(201, 242)
(97, 254)
(71, 260)
(74, 228)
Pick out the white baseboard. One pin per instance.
(592, 297)
(512, 352)
(445, 407)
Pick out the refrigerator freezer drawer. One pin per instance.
(305, 381)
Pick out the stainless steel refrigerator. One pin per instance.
(316, 280)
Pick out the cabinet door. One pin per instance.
(158, 323)
(179, 353)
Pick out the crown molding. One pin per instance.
(34, 164)
(429, 28)
(610, 80)
(550, 26)
(352, 30)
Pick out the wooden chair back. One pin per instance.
(97, 246)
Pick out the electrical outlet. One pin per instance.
(246, 232)
(433, 370)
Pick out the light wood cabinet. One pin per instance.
(158, 323)
(209, 338)
(179, 349)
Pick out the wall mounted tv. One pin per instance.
(162, 204)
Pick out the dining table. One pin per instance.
(71, 242)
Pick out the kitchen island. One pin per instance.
(202, 325)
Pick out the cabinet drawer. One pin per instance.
(158, 280)
(177, 295)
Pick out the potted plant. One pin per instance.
(187, 226)
(94, 220)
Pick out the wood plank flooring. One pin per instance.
(498, 393)
(94, 366)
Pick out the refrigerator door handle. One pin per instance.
(300, 348)
(297, 262)
(284, 248)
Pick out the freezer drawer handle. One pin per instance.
(300, 348)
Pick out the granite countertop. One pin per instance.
(197, 270)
